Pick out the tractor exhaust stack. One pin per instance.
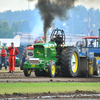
(45, 37)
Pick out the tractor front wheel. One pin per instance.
(21, 65)
(27, 72)
(52, 69)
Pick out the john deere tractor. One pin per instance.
(53, 58)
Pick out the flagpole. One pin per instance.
(88, 26)
(89, 20)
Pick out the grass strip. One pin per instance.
(46, 87)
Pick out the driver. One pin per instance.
(56, 36)
(91, 44)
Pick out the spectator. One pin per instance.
(3, 55)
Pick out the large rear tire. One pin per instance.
(69, 62)
(52, 69)
(27, 73)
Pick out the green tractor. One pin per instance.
(53, 58)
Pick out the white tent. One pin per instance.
(15, 40)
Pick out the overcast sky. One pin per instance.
(16, 5)
(89, 4)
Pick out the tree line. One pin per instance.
(18, 26)
(28, 20)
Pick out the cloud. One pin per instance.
(85, 20)
(66, 27)
(15, 5)
(94, 25)
(64, 24)
(89, 4)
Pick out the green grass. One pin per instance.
(45, 87)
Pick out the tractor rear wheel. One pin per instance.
(52, 69)
(69, 62)
(27, 73)
(40, 73)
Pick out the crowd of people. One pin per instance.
(13, 51)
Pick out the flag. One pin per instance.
(90, 33)
(89, 20)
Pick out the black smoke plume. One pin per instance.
(49, 9)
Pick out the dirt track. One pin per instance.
(18, 76)
(77, 95)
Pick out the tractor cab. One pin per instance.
(90, 51)
(86, 41)
(90, 39)
(58, 36)
(89, 45)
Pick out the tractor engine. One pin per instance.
(43, 51)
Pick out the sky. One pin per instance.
(16, 5)
(89, 4)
